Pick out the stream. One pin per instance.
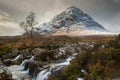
(19, 73)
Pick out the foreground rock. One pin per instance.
(5, 74)
(15, 61)
(33, 67)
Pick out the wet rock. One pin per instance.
(7, 62)
(33, 67)
(58, 71)
(5, 74)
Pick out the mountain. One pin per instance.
(72, 22)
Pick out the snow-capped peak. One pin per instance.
(70, 21)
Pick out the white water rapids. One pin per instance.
(16, 58)
(18, 70)
(43, 75)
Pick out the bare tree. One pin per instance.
(28, 26)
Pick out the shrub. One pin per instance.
(44, 56)
(104, 64)
(5, 49)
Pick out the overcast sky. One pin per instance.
(12, 12)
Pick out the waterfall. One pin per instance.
(44, 74)
(18, 71)
(31, 59)
(23, 63)
(67, 62)
(15, 59)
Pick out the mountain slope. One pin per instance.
(73, 22)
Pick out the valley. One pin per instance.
(71, 46)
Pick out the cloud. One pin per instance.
(4, 17)
(116, 1)
(7, 25)
(9, 29)
(105, 12)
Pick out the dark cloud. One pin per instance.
(106, 12)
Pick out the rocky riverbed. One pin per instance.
(28, 65)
